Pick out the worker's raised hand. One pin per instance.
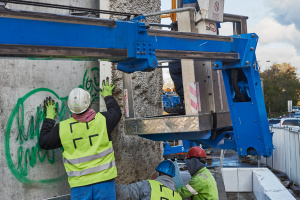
(50, 109)
(106, 88)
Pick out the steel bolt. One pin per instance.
(251, 48)
(247, 63)
(253, 35)
(216, 65)
(153, 53)
(138, 52)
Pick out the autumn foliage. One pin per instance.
(280, 85)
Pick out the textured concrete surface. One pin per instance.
(30, 173)
(137, 157)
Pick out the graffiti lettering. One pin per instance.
(31, 133)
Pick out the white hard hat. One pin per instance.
(79, 100)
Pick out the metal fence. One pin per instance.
(286, 155)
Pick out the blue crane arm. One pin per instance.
(128, 43)
(136, 48)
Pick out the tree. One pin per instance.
(280, 85)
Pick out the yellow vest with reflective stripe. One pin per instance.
(161, 192)
(88, 154)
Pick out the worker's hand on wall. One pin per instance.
(106, 88)
(50, 109)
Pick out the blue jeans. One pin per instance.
(98, 191)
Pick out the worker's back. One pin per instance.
(88, 153)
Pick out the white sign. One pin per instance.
(290, 105)
(212, 10)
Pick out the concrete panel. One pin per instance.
(286, 153)
(266, 186)
(27, 171)
(137, 157)
(237, 179)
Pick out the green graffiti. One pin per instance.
(33, 131)
(92, 84)
(30, 156)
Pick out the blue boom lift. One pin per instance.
(134, 47)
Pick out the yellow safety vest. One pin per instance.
(88, 154)
(161, 192)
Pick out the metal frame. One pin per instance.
(134, 48)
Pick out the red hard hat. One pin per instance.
(196, 152)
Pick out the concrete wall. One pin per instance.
(286, 155)
(261, 181)
(138, 157)
(26, 171)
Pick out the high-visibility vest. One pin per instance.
(202, 186)
(161, 192)
(88, 154)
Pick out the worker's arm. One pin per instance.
(191, 188)
(134, 191)
(112, 115)
(49, 136)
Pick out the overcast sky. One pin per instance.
(276, 22)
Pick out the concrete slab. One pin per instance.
(266, 186)
(237, 179)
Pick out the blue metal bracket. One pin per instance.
(246, 101)
(246, 50)
(144, 60)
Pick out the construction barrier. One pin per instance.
(286, 155)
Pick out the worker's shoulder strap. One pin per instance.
(191, 189)
(203, 175)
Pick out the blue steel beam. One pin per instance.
(39, 34)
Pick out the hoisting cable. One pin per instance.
(48, 5)
(236, 88)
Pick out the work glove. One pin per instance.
(107, 89)
(50, 109)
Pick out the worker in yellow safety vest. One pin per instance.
(162, 188)
(88, 154)
(202, 186)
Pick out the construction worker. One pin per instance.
(175, 70)
(202, 184)
(88, 154)
(163, 187)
